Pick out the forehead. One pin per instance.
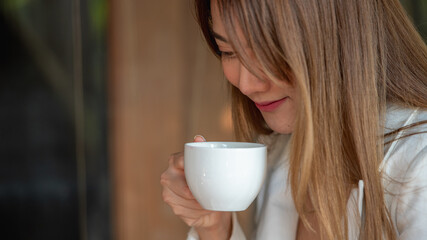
(217, 24)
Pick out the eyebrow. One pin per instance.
(219, 37)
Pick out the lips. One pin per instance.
(270, 106)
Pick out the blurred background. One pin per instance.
(94, 97)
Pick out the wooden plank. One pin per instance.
(165, 87)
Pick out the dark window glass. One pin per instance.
(54, 181)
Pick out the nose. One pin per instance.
(249, 83)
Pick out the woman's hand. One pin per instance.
(208, 224)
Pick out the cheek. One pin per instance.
(231, 69)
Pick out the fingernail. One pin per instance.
(200, 136)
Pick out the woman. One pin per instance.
(337, 90)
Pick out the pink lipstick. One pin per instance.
(270, 106)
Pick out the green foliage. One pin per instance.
(98, 11)
(13, 5)
(417, 10)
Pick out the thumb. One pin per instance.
(199, 138)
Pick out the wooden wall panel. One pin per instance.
(165, 87)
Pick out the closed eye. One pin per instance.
(227, 55)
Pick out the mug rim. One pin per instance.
(230, 145)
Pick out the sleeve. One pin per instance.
(411, 202)
(236, 234)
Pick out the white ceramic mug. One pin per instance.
(225, 176)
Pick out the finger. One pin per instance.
(176, 160)
(175, 181)
(172, 198)
(188, 212)
(189, 221)
(193, 222)
(199, 138)
(181, 189)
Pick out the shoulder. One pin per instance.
(404, 172)
(405, 158)
(408, 148)
(398, 116)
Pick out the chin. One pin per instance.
(281, 121)
(282, 127)
(284, 130)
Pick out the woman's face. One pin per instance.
(277, 103)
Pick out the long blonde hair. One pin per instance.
(348, 58)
